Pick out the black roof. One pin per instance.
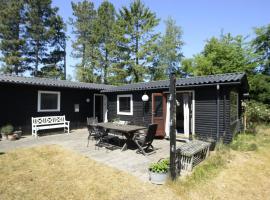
(51, 82)
(182, 82)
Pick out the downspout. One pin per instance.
(218, 112)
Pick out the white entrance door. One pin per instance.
(186, 114)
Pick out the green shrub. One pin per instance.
(244, 142)
(7, 129)
(257, 113)
(160, 167)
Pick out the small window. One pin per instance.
(124, 104)
(48, 101)
(233, 107)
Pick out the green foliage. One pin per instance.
(209, 168)
(226, 54)
(169, 52)
(39, 32)
(261, 44)
(55, 62)
(106, 33)
(160, 167)
(137, 43)
(244, 142)
(257, 112)
(7, 129)
(32, 37)
(85, 43)
(12, 43)
(260, 87)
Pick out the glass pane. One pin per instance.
(48, 101)
(124, 104)
(233, 106)
(158, 106)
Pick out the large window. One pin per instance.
(48, 101)
(124, 104)
(233, 106)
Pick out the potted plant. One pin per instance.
(158, 172)
(7, 131)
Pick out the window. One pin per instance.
(124, 104)
(48, 101)
(233, 107)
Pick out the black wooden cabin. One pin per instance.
(208, 107)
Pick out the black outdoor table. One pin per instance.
(127, 130)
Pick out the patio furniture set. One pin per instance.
(104, 133)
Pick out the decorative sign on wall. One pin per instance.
(76, 108)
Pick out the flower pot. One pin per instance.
(158, 178)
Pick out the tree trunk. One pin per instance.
(83, 56)
(65, 62)
(37, 58)
(136, 53)
(105, 67)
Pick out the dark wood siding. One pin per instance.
(18, 103)
(206, 112)
(137, 117)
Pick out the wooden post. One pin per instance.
(172, 99)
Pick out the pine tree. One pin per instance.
(104, 30)
(38, 31)
(137, 47)
(55, 62)
(169, 54)
(85, 44)
(261, 44)
(12, 44)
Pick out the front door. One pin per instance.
(184, 113)
(159, 112)
(98, 107)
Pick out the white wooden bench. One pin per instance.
(50, 122)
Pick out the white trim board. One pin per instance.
(48, 92)
(167, 124)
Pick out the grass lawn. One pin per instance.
(52, 172)
(239, 171)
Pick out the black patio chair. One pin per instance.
(91, 121)
(144, 142)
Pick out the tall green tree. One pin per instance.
(169, 52)
(137, 47)
(12, 42)
(38, 31)
(260, 82)
(55, 61)
(104, 29)
(85, 43)
(226, 54)
(261, 44)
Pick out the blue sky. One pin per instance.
(199, 19)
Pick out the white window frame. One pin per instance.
(48, 92)
(131, 104)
